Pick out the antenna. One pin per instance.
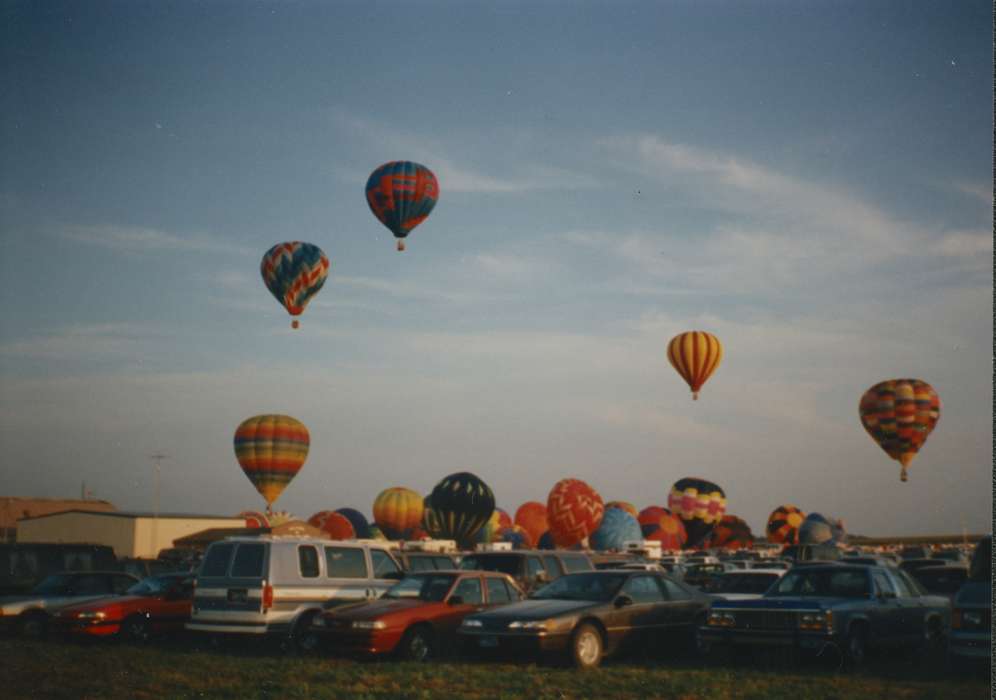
(157, 458)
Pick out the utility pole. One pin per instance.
(157, 458)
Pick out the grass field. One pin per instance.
(56, 669)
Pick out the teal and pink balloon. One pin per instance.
(401, 194)
(294, 272)
(617, 528)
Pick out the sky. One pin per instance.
(810, 182)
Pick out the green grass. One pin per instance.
(176, 670)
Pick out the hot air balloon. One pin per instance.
(271, 449)
(816, 529)
(732, 533)
(617, 527)
(401, 194)
(360, 525)
(491, 530)
(504, 520)
(546, 541)
(899, 414)
(574, 511)
(518, 536)
(531, 515)
(255, 519)
(623, 505)
(700, 504)
(335, 525)
(461, 504)
(695, 355)
(783, 524)
(397, 511)
(660, 525)
(294, 272)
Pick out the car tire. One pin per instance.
(417, 644)
(34, 625)
(135, 629)
(856, 648)
(586, 646)
(303, 638)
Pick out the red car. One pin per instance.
(417, 618)
(155, 605)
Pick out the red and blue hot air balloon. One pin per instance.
(401, 194)
(294, 272)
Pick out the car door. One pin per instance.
(646, 617)
(174, 608)
(384, 572)
(885, 613)
(683, 606)
(912, 619)
(470, 592)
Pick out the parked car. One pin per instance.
(912, 565)
(971, 618)
(31, 613)
(427, 561)
(742, 584)
(914, 552)
(23, 565)
(699, 575)
(586, 616)
(810, 552)
(817, 607)
(950, 554)
(769, 564)
(155, 605)
(942, 580)
(674, 570)
(529, 568)
(271, 585)
(866, 560)
(417, 618)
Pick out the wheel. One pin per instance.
(304, 637)
(856, 648)
(135, 629)
(417, 644)
(586, 646)
(34, 625)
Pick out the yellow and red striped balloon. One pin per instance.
(271, 449)
(695, 355)
(899, 414)
(397, 511)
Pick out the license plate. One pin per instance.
(489, 641)
(238, 595)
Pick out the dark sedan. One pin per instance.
(586, 616)
(819, 608)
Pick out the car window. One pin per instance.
(513, 592)
(674, 591)
(469, 590)
(420, 564)
(904, 590)
(77, 561)
(576, 562)
(383, 564)
(916, 588)
(534, 566)
(216, 561)
(345, 562)
(497, 591)
(836, 583)
(307, 557)
(248, 561)
(882, 584)
(553, 565)
(443, 563)
(94, 584)
(120, 584)
(643, 589)
(510, 564)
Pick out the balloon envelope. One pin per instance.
(660, 525)
(333, 524)
(401, 194)
(700, 504)
(899, 414)
(531, 515)
(623, 505)
(732, 533)
(818, 529)
(255, 519)
(359, 522)
(294, 272)
(783, 524)
(517, 536)
(574, 510)
(396, 511)
(616, 528)
(695, 355)
(271, 449)
(460, 504)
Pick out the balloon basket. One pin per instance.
(401, 245)
(295, 324)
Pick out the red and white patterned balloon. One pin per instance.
(574, 511)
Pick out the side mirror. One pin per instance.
(455, 600)
(623, 600)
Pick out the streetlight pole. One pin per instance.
(157, 459)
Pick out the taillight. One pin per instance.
(956, 619)
(267, 596)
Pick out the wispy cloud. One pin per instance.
(965, 244)
(107, 340)
(142, 240)
(982, 192)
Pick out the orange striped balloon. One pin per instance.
(397, 511)
(695, 355)
(271, 449)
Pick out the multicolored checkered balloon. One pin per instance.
(899, 414)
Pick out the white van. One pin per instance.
(276, 585)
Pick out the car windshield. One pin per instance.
(429, 587)
(742, 583)
(829, 583)
(153, 585)
(593, 587)
(505, 563)
(56, 583)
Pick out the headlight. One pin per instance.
(721, 619)
(99, 615)
(816, 621)
(529, 625)
(967, 619)
(369, 625)
(472, 623)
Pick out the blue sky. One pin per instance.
(812, 182)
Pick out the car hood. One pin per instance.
(781, 603)
(379, 608)
(536, 609)
(735, 596)
(110, 602)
